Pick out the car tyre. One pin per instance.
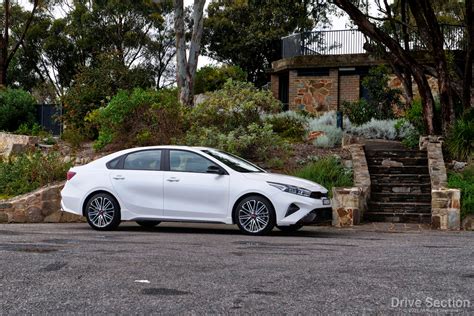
(103, 212)
(255, 215)
(148, 224)
(290, 228)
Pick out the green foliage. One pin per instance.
(231, 119)
(414, 115)
(95, 86)
(73, 137)
(236, 104)
(289, 125)
(248, 33)
(465, 182)
(33, 129)
(460, 140)
(255, 142)
(327, 171)
(210, 78)
(358, 112)
(29, 171)
(17, 107)
(332, 134)
(407, 132)
(138, 118)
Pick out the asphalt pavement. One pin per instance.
(213, 269)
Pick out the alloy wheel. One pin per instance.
(101, 212)
(254, 216)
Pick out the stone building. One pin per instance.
(320, 70)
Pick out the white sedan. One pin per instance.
(157, 184)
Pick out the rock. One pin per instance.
(315, 134)
(4, 206)
(459, 165)
(468, 222)
(53, 218)
(18, 217)
(50, 207)
(3, 217)
(33, 215)
(71, 218)
(391, 163)
(11, 143)
(51, 193)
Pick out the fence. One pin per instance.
(48, 116)
(352, 42)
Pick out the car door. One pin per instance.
(138, 181)
(192, 193)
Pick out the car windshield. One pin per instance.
(234, 162)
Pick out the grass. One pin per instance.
(328, 172)
(465, 181)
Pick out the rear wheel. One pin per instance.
(290, 228)
(255, 215)
(148, 224)
(103, 212)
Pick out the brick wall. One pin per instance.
(275, 82)
(350, 88)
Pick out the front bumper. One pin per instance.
(317, 216)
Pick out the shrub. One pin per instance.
(210, 78)
(358, 112)
(17, 107)
(31, 129)
(378, 129)
(236, 104)
(407, 133)
(460, 140)
(332, 134)
(289, 125)
(255, 142)
(138, 118)
(414, 115)
(327, 171)
(29, 171)
(465, 181)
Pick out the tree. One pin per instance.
(429, 30)
(248, 33)
(7, 53)
(186, 66)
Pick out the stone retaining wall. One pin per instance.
(445, 203)
(40, 206)
(349, 204)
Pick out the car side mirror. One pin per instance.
(215, 170)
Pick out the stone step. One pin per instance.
(421, 218)
(401, 188)
(417, 170)
(406, 161)
(395, 154)
(400, 197)
(402, 179)
(400, 207)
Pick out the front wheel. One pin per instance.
(255, 215)
(103, 212)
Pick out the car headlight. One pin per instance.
(291, 189)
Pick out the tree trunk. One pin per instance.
(4, 44)
(427, 99)
(186, 68)
(467, 82)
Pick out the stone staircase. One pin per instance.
(400, 185)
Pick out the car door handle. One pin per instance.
(119, 178)
(172, 180)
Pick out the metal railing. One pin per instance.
(352, 41)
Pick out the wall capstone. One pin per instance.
(40, 206)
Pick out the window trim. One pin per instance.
(121, 163)
(167, 167)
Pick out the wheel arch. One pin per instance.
(246, 195)
(90, 195)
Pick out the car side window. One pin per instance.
(143, 160)
(185, 161)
